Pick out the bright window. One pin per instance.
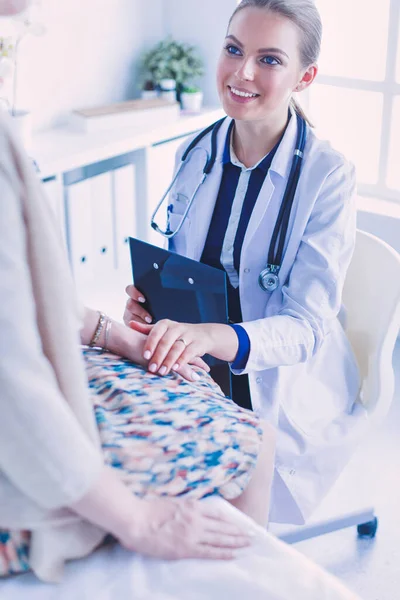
(398, 60)
(349, 28)
(343, 117)
(355, 101)
(393, 177)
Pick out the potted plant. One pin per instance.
(149, 90)
(191, 98)
(7, 65)
(14, 32)
(172, 61)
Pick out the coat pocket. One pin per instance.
(179, 242)
(175, 221)
(178, 204)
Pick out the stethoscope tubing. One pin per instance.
(281, 226)
(214, 128)
(282, 221)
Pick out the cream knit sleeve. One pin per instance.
(44, 452)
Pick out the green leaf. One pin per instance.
(172, 59)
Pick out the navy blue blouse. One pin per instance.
(213, 247)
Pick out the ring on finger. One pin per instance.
(182, 340)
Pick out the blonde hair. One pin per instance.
(304, 14)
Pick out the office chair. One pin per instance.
(371, 296)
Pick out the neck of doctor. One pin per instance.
(252, 140)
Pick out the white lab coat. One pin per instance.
(302, 373)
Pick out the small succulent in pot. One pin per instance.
(191, 98)
(190, 89)
(149, 85)
(149, 90)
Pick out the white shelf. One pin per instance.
(59, 150)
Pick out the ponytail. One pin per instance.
(294, 103)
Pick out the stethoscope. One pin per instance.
(268, 279)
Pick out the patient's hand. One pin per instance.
(177, 528)
(169, 528)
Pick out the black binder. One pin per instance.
(184, 290)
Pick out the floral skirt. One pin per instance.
(166, 436)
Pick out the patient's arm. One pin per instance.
(120, 340)
(128, 343)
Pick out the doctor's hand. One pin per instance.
(134, 309)
(172, 346)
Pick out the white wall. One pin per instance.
(202, 23)
(88, 55)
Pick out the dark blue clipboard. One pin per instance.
(184, 290)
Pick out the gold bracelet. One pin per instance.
(98, 330)
(107, 334)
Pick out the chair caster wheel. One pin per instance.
(368, 530)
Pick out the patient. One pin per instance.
(115, 450)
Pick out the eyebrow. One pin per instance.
(261, 50)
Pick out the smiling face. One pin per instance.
(260, 67)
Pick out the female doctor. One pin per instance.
(292, 362)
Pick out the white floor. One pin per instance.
(369, 567)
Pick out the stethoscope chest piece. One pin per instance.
(268, 279)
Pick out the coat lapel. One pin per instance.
(203, 207)
(273, 188)
(260, 208)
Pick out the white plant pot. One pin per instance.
(168, 89)
(168, 84)
(149, 94)
(22, 120)
(6, 67)
(192, 102)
